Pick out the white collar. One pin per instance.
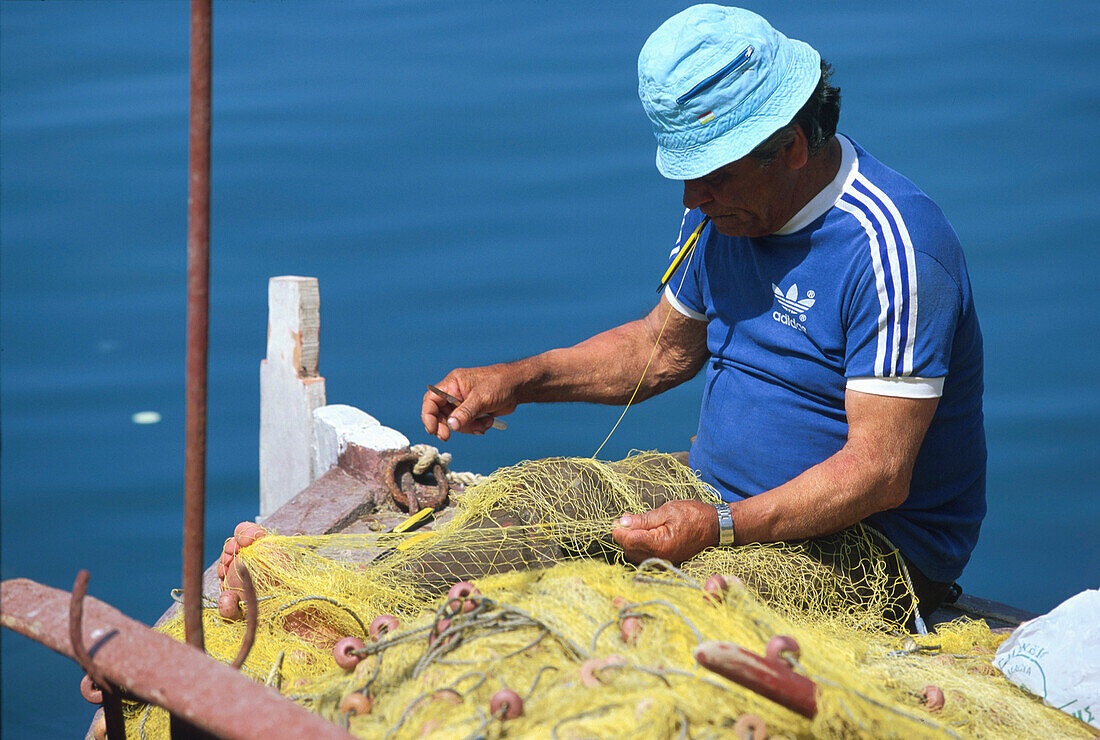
(829, 195)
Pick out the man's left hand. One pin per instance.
(675, 531)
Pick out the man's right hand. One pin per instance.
(488, 390)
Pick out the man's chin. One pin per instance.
(736, 227)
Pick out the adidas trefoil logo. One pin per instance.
(790, 301)
(792, 305)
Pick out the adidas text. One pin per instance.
(783, 318)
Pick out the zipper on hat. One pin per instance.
(730, 68)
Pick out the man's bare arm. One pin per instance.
(603, 369)
(870, 473)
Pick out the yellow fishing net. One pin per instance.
(594, 648)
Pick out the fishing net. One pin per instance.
(592, 647)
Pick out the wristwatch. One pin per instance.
(725, 525)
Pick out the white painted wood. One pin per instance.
(290, 389)
(336, 425)
(330, 425)
(376, 438)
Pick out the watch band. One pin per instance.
(725, 525)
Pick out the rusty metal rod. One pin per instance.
(198, 308)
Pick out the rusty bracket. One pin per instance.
(110, 695)
(395, 470)
(770, 676)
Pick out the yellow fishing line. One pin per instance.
(689, 248)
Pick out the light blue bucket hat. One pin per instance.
(716, 82)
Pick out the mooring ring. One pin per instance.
(420, 495)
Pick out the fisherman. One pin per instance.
(826, 296)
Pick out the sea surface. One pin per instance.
(473, 182)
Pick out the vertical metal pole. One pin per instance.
(198, 305)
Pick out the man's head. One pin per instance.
(737, 109)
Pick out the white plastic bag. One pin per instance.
(1057, 656)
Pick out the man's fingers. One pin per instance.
(481, 425)
(433, 426)
(441, 418)
(644, 535)
(435, 420)
(433, 411)
(461, 418)
(456, 420)
(637, 544)
(476, 396)
(633, 539)
(641, 520)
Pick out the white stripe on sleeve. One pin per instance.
(911, 265)
(880, 279)
(897, 301)
(908, 387)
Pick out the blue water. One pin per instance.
(474, 182)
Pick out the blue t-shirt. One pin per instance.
(866, 288)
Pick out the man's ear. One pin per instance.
(797, 153)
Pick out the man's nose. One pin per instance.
(696, 193)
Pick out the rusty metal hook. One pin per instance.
(251, 611)
(411, 500)
(112, 697)
(76, 631)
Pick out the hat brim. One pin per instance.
(803, 74)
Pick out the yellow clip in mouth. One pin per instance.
(686, 250)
